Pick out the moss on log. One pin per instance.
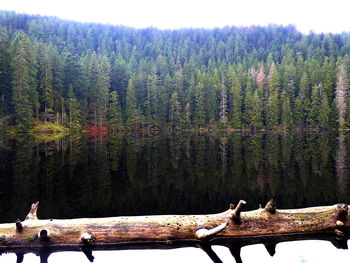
(232, 228)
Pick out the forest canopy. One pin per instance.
(80, 74)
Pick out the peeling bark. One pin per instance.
(232, 228)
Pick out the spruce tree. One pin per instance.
(24, 93)
(5, 74)
(46, 83)
(114, 112)
(174, 112)
(131, 110)
(236, 92)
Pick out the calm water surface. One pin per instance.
(187, 173)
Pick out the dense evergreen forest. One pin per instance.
(79, 74)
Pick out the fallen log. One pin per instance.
(232, 228)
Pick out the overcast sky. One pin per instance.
(306, 15)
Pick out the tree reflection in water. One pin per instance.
(187, 173)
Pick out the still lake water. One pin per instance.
(187, 173)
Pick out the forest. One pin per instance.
(120, 78)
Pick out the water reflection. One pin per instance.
(188, 173)
(288, 252)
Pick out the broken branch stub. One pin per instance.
(32, 213)
(203, 233)
(235, 215)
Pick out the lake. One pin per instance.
(185, 173)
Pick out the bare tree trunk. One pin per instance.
(232, 228)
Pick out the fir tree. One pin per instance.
(174, 112)
(5, 74)
(24, 93)
(236, 103)
(114, 112)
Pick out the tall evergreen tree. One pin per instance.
(5, 74)
(315, 105)
(273, 101)
(114, 112)
(74, 110)
(46, 83)
(286, 111)
(131, 111)
(174, 112)
(236, 92)
(199, 106)
(24, 93)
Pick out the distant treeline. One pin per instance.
(78, 74)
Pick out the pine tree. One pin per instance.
(315, 105)
(74, 111)
(131, 110)
(302, 102)
(324, 112)
(24, 93)
(46, 83)
(5, 74)
(174, 112)
(199, 107)
(102, 86)
(286, 111)
(114, 112)
(257, 107)
(273, 100)
(236, 92)
(154, 99)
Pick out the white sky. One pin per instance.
(315, 15)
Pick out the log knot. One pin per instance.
(342, 210)
(271, 207)
(87, 238)
(19, 226)
(44, 234)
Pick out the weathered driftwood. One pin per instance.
(232, 228)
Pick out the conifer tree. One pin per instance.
(114, 112)
(314, 106)
(5, 74)
(24, 93)
(257, 107)
(174, 111)
(286, 111)
(74, 111)
(199, 107)
(236, 92)
(324, 112)
(131, 110)
(102, 86)
(302, 102)
(273, 100)
(46, 83)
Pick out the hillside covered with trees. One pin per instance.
(79, 74)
